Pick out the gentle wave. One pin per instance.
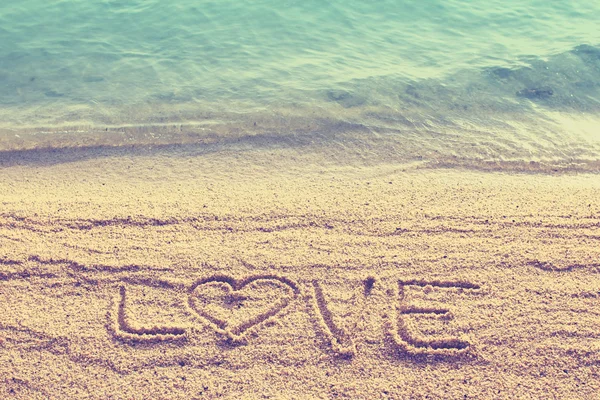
(560, 142)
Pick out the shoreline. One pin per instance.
(344, 146)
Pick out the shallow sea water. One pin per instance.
(474, 81)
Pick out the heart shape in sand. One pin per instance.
(235, 306)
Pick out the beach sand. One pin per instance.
(179, 273)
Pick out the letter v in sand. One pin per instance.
(332, 314)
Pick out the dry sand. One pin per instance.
(172, 274)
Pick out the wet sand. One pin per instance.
(247, 273)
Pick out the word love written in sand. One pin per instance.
(235, 307)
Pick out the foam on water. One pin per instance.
(473, 81)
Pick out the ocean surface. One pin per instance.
(455, 82)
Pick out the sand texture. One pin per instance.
(268, 274)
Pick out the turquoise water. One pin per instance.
(500, 68)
